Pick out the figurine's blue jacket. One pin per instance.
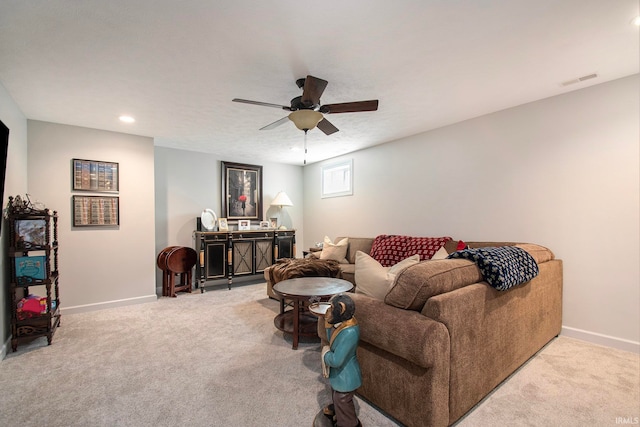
(344, 375)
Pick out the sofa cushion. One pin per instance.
(441, 254)
(539, 253)
(426, 247)
(375, 280)
(417, 283)
(389, 250)
(357, 244)
(335, 251)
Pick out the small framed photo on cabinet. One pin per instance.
(244, 224)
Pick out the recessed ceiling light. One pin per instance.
(127, 119)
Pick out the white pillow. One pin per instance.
(441, 254)
(335, 251)
(375, 280)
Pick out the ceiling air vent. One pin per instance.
(580, 79)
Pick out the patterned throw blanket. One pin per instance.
(502, 267)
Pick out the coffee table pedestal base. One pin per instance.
(306, 328)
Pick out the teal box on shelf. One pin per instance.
(32, 267)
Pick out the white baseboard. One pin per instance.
(108, 304)
(600, 339)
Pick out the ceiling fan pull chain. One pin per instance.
(305, 146)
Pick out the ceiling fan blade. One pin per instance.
(276, 123)
(313, 88)
(264, 104)
(327, 127)
(350, 107)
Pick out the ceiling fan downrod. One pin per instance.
(305, 145)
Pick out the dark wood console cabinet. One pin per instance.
(240, 253)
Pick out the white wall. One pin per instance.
(99, 267)
(561, 172)
(187, 182)
(16, 183)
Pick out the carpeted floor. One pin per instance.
(215, 359)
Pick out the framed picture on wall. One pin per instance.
(241, 191)
(95, 175)
(96, 211)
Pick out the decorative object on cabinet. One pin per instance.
(244, 224)
(95, 175)
(208, 219)
(264, 225)
(239, 253)
(33, 245)
(96, 211)
(223, 225)
(241, 191)
(281, 200)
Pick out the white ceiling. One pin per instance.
(176, 65)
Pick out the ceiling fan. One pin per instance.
(306, 110)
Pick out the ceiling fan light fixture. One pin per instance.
(305, 119)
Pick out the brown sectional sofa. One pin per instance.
(443, 338)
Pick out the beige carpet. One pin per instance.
(216, 360)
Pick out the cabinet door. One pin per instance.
(264, 254)
(285, 243)
(242, 257)
(216, 260)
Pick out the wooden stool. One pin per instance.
(180, 261)
(162, 265)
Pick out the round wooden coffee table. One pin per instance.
(298, 321)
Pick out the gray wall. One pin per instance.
(16, 183)
(561, 172)
(98, 266)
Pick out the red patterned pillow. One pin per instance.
(426, 247)
(389, 250)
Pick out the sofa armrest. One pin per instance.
(405, 333)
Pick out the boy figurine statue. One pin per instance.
(339, 362)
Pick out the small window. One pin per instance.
(337, 179)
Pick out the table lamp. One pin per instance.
(281, 200)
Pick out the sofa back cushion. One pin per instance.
(417, 283)
(357, 244)
(391, 249)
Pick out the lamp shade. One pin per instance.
(281, 199)
(305, 119)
